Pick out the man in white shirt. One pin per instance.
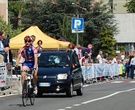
(122, 57)
(99, 57)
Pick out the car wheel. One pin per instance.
(69, 92)
(80, 90)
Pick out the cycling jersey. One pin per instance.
(28, 54)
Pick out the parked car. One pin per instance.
(59, 72)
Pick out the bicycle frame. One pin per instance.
(28, 87)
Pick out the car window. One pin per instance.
(54, 60)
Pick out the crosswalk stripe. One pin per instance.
(117, 82)
(132, 82)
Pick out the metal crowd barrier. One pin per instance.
(9, 83)
(100, 70)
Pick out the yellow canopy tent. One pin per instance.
(48, 42)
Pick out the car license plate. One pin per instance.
(44, 84)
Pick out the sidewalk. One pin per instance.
(8, 92)
(15, 88)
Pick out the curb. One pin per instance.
(8, 92)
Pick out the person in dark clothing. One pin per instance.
(128, 67)
(132, 64)
(4, 47)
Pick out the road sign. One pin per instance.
(77, 25)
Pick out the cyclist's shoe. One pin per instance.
(35, 90)
(24, 91)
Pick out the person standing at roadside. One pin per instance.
(39, 47)
(33, 38)
(5, 49)
(90, 50)
(99, 57)
(132, 64)
(122, 57)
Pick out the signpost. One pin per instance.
(77, 26)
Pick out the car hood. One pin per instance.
(52, 71)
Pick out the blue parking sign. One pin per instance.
(77, 24)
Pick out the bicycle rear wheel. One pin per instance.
(32, 95)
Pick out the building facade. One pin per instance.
(4, 9)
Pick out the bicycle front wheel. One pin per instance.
(32, 98)
(24, 94)
(24, 99)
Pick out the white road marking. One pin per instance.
(68, 107)
(132, 82)
(101, 98)
(76, 105)
(117, 81)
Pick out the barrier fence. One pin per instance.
(100, 70)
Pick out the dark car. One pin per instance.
(59, 72)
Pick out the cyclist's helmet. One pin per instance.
(27, 38)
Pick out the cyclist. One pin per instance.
(29, 53)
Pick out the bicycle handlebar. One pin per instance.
(18, 71)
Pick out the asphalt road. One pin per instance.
(112, 95)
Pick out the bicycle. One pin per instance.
(28, 88)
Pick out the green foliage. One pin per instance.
(107, 41)
(16, 8)
(7, 27)
(130, 6)
(55, 20)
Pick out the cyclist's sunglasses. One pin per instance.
(27, 41)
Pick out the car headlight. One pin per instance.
(62, 76)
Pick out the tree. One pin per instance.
(130, 6)
(95, 19)
(55, 20)
(16, 9)
(107, 41)
(7, 27)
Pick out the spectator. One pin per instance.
(122, 57)
(99, 57)
(115, 59)
(90, 50)
(33, 38)
(132, 64)
(105, 58)
(71, 46)
(39, 47)
(85, 60)
(4, 47)
(78, 51)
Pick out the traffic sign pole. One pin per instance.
(77, 26)
(77, 35)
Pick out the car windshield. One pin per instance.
(54, 60)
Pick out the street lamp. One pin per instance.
(78, 17)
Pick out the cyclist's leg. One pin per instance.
(35, 77)
(23, 77)
(23, 74)
(35, 80)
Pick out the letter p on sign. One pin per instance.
(77, 23)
